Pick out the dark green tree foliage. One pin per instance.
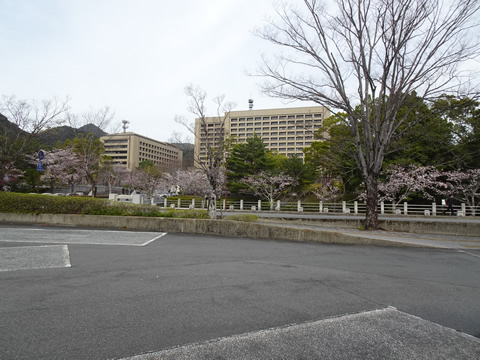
(424, 138)
(333, 155)
(301, 172)
(463, 118)
(246, 159)
(444, 134)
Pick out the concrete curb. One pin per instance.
(201, 226)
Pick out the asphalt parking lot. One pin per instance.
(100, 294)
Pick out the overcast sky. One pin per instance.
(135, 56)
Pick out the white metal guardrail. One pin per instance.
(343, 207)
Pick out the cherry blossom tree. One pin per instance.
(61, 167)
(463, 186)
(213, 146)
(328, 190)
(269, 186)
(190, 182)
(114, 174)
(404, 181)
(20, 123)
(148, 180)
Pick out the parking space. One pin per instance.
(77, 236)
(15, 254)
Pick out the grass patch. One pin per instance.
(243, 217)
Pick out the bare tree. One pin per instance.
(185, 144)
(214, 144)
(364, 58)
(89, 148)
(19, 127)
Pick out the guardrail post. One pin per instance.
(320, 207)
(299, 205)
(278, 206)
(382, 207)
(241, 204)
(224, 204)
(355, 207)
(464, 210)
(259, 205)
(165, 202)
(434, 209)
(179, 204)
(405, 208)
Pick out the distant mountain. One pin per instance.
(5, 124)
(51, 136)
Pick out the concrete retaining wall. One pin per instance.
(198, 226)
(462, 227)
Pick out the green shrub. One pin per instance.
(243, 217)
(44, 204)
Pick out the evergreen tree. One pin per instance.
(249, 158)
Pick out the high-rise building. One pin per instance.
(130, 149)
(283, 131)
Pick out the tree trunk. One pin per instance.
(371, 218)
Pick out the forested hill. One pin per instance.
(61, 133)
(50, 137)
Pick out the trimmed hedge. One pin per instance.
(43, 204)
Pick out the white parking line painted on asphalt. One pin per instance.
(79, 236)
(34, 257)
(156, 238)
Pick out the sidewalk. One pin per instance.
(446, 241)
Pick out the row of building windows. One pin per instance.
(116, 141)
(276, 123)
(281, 117)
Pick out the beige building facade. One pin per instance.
(130, 149)
(283, 131)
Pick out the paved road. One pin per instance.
(116, 301)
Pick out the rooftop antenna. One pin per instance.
(125, 122)
(250, 104)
